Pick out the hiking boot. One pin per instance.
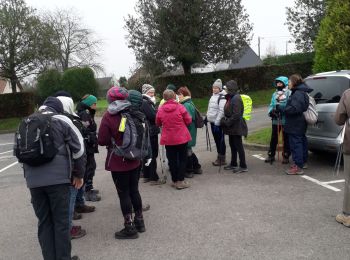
(75, 257)
(343, 219)
(139, 225)
(84, 209)
(77, 232)
(188, 175)
(92, 196)
(220, 161)
(240, 169)
(180, 185)
(77, 216)
(230, 167)
(285, 160)
(294, 170)
(270, 159)
(198, 171)
(128, 232)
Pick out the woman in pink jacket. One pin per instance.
(174, 119)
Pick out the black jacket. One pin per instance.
(297, 103)
(233, 122)
(149, 109)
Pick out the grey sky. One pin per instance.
(106, 18)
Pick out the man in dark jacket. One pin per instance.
(234, 125)
(149, 109)
(296, 125)
(49, 183)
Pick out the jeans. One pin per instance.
(150, 172)
(73, 195)
(298, 148)
(219, 139)
(237, 148)
(80, 200)
(51, 206)
(274, 141)
(177, 155)
(90, 171)
(127, 185)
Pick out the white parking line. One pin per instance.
(8, 166)
(323, 184)
(259, 156)
(336, 181)
(6, 144)
(6, 152)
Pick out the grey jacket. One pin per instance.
(70, 144)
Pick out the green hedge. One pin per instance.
(249, 79)
(17, 104)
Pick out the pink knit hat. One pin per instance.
(116, 93)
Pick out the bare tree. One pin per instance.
(77, 46)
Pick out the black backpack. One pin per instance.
(198, 119)
(34, 141)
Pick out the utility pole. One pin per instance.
(259, 46)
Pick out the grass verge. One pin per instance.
(9, 124)
(261, 136)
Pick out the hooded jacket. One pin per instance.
(109, 129)
(216, 108)
(70, 144)
(191, 109)
(297, 103)
(148, 108)
(174, 119)
(280, 98)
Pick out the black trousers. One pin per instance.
(177, 157)
(90, 171)
(150, 172)
(51, 206)
(127, 185)
(219, 139)
(274, 142)
(237, 148)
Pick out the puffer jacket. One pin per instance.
(342, 116)
(149, 109)
(70, 144)
(233, 122)
(174, 119)
(188, 104)
(216, 108)
(109, 129)
(297, 103)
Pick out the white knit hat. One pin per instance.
(218, 84)
(146, 88)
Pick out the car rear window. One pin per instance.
(328, 89)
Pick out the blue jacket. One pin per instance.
(297, 103)
(283, 97)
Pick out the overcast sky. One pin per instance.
(106, 18)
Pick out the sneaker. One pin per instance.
(294, 170)
(92, 196)
(182, 185)
(198, 171)
(305, 166)
(240, 169)
(128, 232)
(77, 232)
(285, 161)
(77, 216)
(139, 225)
(343, 219)
(230, 167)
(75, 257)
(84, 209)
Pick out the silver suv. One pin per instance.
(328, 88)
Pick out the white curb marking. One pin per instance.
(9, 166)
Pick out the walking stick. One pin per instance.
(207, 137)
(162, 160)
(279, 134)
(221, 141)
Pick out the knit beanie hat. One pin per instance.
(147, 88)
(62, 93)
(89, 100)
(116, 93)
(54, 103)
(218, 84)
(135, 98)
(171, 87)
(231, 87)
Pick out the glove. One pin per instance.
(216, 129)
(205, 120)
(273, 114)
(148, 162)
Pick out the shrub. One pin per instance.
(49, 82)
(290, 58)
(17, 104)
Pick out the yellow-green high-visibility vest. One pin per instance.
(248, 106)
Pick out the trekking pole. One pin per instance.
(278, 138)
(338, 160)
(208, 138)
(221, 141)
(161, 159)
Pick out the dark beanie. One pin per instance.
(62, 93)
(231, 87)
(54, 103)
(171, 87)
(135, 98)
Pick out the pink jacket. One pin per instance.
(174, 119)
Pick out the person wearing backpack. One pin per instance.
(149, 109)
(174, 119)
(193, 166)
(86, 110)
(341, 118)
(235, 126)
(296, 125)
(214, 114)
(276, 112)
(49, 183)
(125, 172)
